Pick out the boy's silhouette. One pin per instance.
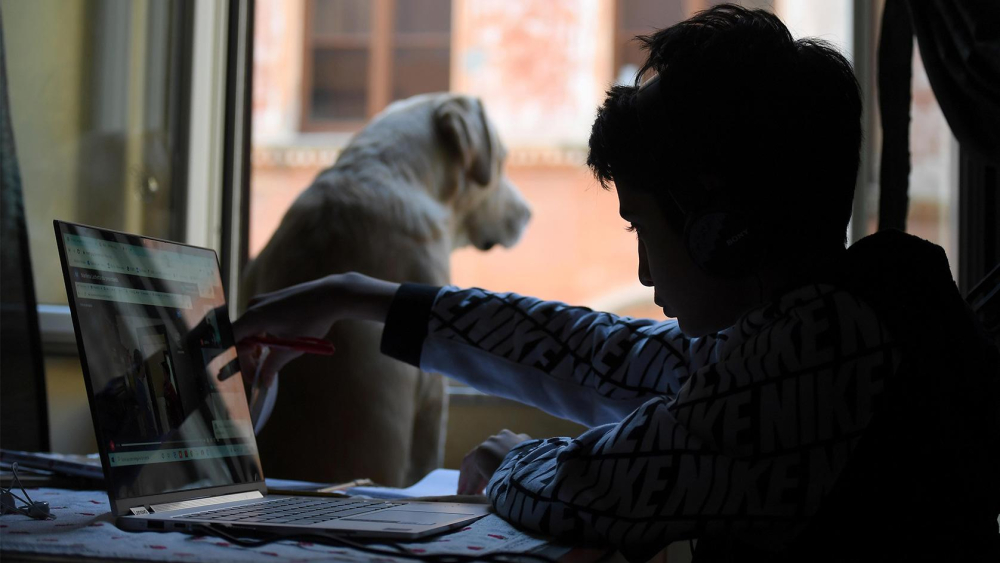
(810, 403)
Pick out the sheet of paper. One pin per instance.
(437, 483)
(482, 537)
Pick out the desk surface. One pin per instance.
(84, 529)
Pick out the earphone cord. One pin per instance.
(13, 469)
(30, 503)
(14, 495)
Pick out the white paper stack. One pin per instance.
(437, 483)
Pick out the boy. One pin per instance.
(808, 403)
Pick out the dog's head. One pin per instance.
(488, 208)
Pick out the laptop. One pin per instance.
(170, 411)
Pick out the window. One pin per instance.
(541, 68)
(640, 17)
(361, 55)
(116, 107)
(99, 123)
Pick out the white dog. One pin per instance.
(423, 178)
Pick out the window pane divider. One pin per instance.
(422, 40)
(380, 60)
(353, 41)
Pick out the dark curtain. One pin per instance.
(959, 42)
(23, 411)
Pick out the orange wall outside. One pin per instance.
(575, 249)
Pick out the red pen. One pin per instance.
(305, 344)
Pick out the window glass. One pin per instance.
(421, 56)
(933, 209)
(541, 69)
(332, 18)
(338, 45)
(418, 71)
(933, 180)
(360, 55)
(423, 16)
(96, 99)
(340, 84)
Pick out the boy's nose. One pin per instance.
(645, 278)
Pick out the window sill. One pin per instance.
(59, 339)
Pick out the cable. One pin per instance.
(32, 509)
(400, 551)
(11, 493)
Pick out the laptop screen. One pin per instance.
(158, 352)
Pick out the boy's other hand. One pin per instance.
(483, 460)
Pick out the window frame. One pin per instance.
(217, 147)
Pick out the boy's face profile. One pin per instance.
(701, 303)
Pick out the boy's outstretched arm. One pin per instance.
(572, 362)
(575, 363)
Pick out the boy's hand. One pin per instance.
(483, 460)
(306, 309)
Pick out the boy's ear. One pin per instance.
(462, 124)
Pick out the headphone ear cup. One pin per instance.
(722, 243)
(7, 504)
(700, 232)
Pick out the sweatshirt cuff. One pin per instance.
(406, 323)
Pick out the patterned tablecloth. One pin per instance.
(85, 527)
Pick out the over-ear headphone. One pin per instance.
(721, 240)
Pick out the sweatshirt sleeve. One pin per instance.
(750, 445)
(572, 362)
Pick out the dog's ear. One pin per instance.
(462, 123)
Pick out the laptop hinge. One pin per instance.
(208, 501)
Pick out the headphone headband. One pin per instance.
(651, 113)
(721, 241)
(649, 101)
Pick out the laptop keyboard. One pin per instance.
(292, 510)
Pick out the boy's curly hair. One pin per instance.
(778, 120)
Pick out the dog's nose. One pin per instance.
(520, 220)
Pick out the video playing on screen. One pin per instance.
(166, 392)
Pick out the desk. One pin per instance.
(85, 530)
